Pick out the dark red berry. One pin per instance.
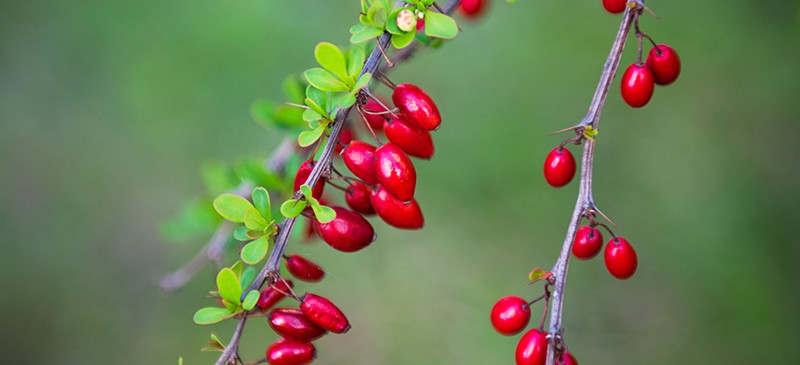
(532, 348)
(304, 269)
(566, 359)
(273, 294)
(345, 137)
(324, 313)
(559, 167)
(395, 171)
(290, 352)
(615, 6)
(359, 158)
(588, 242)
(637, 85)
(348, 232)
(416, 106)
(620, 258)
(664, 63)
(292, 324)
(473, 8)
(395, 212)
(357, 197)
(510, 315)
(375, 120)
(413, 140)
(302, 175)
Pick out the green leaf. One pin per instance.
(307, 138)
(325, 80)
(378, 13)
(331, 58)
(256, 234)
(247, 277)
(228, 286)
(324, 214)
(237, 268)
(539, 274)
(403, 40)
(255, 251)
(254, 220)
(440, 25)
(344, 101)
(311, 116)
(232, 207)
(391, 22)
(306, 190)
(317, 97)
(362, 82)
(250, 300)
(355, 61)
(292, 208)
(427, 3)
(262, 203)
(240, 234)
(364, 32)
(210, 315)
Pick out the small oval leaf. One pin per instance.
(292, 208)
(250, 300)
(255, 251)
(210, 315)
(331, 58)
(228, 286)
(232, 207)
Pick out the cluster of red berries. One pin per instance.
(661, 68)
(619, 255)
(509, 316)
(298, 327)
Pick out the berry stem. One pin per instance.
(585, 200)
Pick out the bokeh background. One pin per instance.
(110, 108)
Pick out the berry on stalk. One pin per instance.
(473, 8)
(395, 212)
(566, 359)
(588, 242)
(559, 167)
(291, 323)
(412, 139)
(664, 63)
(532, 348)
(416, 106)
(357, 197)
(324, 313)
(510, 315)
(290, 352)
(637, 85)
(358, 156)
(304, 269)
(303, 172)
(620, 258)
(348, 232)
(395, 171)
(273, 294)
(615, 6)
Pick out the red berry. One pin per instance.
(359, 158)
(289, 352)
(588, 242)
(566, 359)
(302, 175)
(357, 197)
(559, 167)
(324, 313)
(532, 348)
(273, 294)
(615, 6)
(344, 139)
(620, 258)
(637, 85)
(413, 140)
(395, 212)
(510, 315)
(416, 106)
(473, 8)
(348, 232)
(292, 324)
(664, 63)
(375, 120)
(310, 230)
(395, 171)
(304, 269)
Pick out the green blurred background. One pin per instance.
(109, 108)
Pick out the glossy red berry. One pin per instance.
(566, 359)
(620, 258)
(357, 198)
(273, 294)
(510, 315)
(395, 212)
(532, 348)
(615, 6)
(395, 171)
(303, 172)
(345, 137)
(359, 158)
(637, 85)
(664, 63)
(324, 313)
(473, 8)
(292, 324)
(375, 120)
(588, 242)
(559, 167)
(290, 352)
(412, 139)
(348, 232)
(416, 106)
(304, 269)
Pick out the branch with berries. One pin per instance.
(511, 315)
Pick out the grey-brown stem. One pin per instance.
(585, 199)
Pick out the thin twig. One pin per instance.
(585, 199)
